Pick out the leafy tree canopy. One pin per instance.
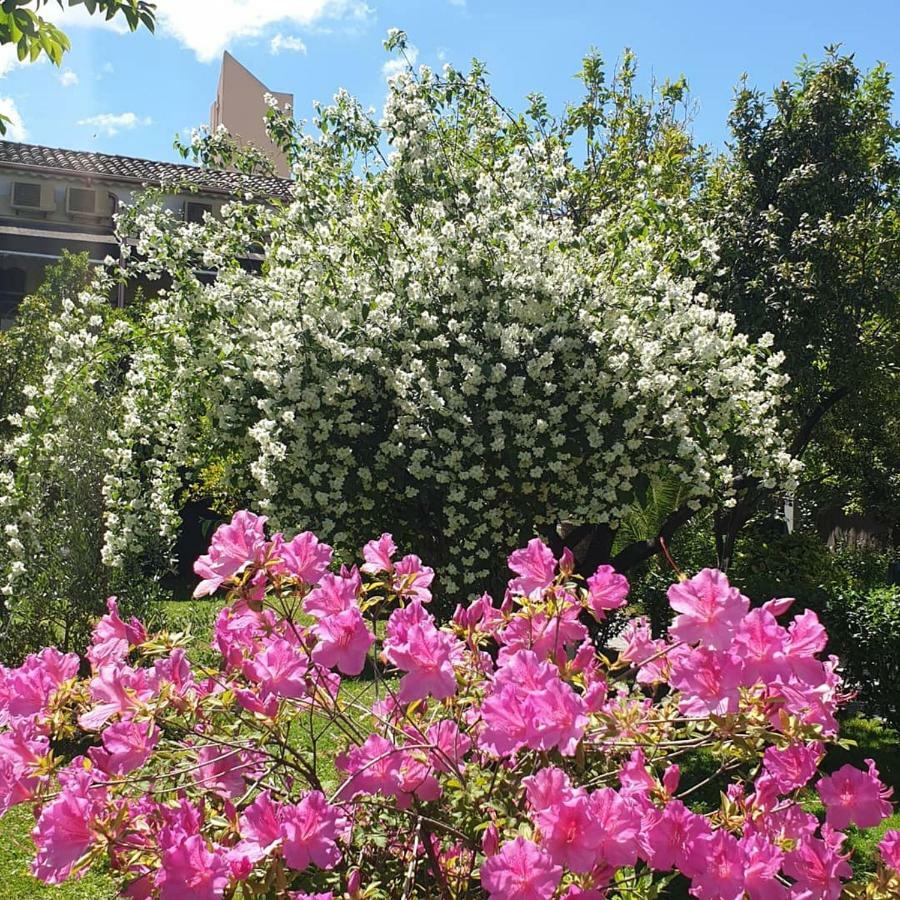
(806, 211)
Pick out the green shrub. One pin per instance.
(848, 589)
(864, 629)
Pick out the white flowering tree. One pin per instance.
(451, 337)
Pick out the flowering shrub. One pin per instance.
(514, 759)
(440, 316)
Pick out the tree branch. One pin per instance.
(804, 435)
(639, 551)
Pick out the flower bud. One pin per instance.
(490, 841)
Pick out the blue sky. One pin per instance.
(130, 94)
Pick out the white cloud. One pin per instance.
(209, 26)
(457, 2)
(9, 60)
(67, 17)
(15, 127)
(113, 123)
(67, 78)
(395, 66)
(286, 42)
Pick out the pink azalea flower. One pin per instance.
(793, 766)
(260, 828)
(373, 768)
(175, 670)
(237, 630)
(412, 580)
(807, 635)
(112, 637)
(620, 826)
(224, 771)
(762, 863)
(675, 839)
(548, 636)
(234, 546)
(334, 594)
(451, 745)
(778, 605)
(607, 589)
(190, 871)
(379, 555)
(280, 669)
(569, 832)
(305, 557)
(126, 747)
(423, 652)
(27, 689)
(814, 701)
(21, 750)
(309, 830)
(710, 609)
(63, 832)
(851, 795)
(784, 823)
(116, 689)
(634, 777)
(890, 849)
(535, 565)
(637, 646)
(490, 840)
(343, 641)
(721, 877)
(416, 780)
(266, 707)
(183, 819)
(529, 705)
(806, 638)
(818, 866)
(709, 681)
(520, 871)
(546, 787)
(760, 643)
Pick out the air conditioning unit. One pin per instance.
(87, 202)
(195, 210)
(32, 196)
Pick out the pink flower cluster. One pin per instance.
(505, 754)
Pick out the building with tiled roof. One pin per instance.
(53, 199)
(32, 159)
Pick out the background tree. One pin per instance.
(805, 210)
(24, 347)
(66, 580)
(22, 25)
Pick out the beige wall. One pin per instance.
(240, 106)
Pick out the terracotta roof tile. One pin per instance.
(143, 171)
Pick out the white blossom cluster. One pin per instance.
(433, 348)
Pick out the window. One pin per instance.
(12, 290)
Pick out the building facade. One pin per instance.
(53, 199)
(240, 106)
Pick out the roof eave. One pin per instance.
(61, 172)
